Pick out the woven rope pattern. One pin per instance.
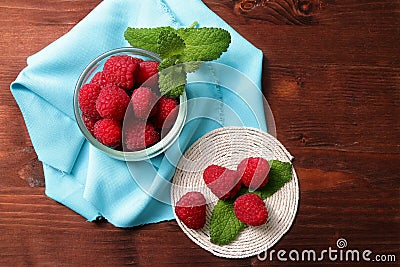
(227, 147)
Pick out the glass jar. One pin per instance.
(166, 141)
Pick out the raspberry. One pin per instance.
(146, 70)
(250, 209)
(140, 135)
(167, 112)
(112, 102)
(87, 99)
(224, 183)
(120, 70)
(89, 123)
(151, 136)
(108, 132)
(254, 172)
(99, 79)
(191, 210)
(143, 100)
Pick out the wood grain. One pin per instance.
(332, 78)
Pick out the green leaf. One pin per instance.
(224, 226)
(175, 60)
(204, 44)
(279, 174)
(145, 38)
(172, 81)
(192, 66)
(169, 44)
(168, 62)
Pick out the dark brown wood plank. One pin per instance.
(54, 13)
(331, 77)
(361, 116)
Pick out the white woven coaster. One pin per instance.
(227, 147)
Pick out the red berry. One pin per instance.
(108, 132)
(121, 70)
(151, 136)
(191, 210)
(99, 79)
(112, 102)
(250, 209)
(89, 123)
(254, 172)
(167, 111)
(87, 99)
(146, 70)
(224, 183)
(143, 100)
(140, 135)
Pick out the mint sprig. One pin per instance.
(224, 226)
(187, 46)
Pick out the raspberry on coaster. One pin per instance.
(250, 209)
(121, 71)
(191, 210)
(87, 100)
(108, 132)
(224, 183)
(112, 102)
(254, 172)
(143, 100)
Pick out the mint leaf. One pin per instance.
(172, 81)
(145, 38)
(192, 66)
(169, 44)
(168, 62)
(279, 174)
(204, 44)
(224, 226)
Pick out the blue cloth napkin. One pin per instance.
(83, 178)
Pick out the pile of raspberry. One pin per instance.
(249, 208)
(124, 97)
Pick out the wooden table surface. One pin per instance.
(332, 78)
